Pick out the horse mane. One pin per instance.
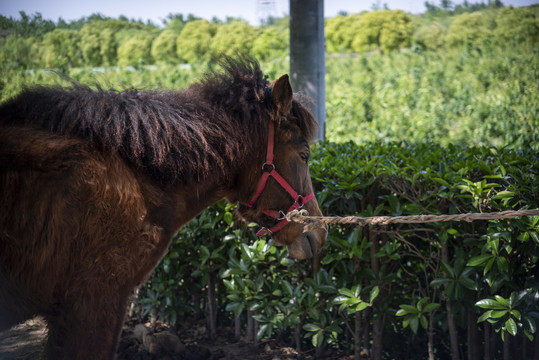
(174, 136)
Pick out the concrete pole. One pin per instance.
(307, 62)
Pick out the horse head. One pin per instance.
(278, 181)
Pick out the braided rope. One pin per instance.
(311, 222)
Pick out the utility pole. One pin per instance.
(307, 61)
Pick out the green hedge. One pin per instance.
(397, 290)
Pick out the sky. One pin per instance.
(157, 10)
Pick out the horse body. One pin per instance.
(68, 200)
(87, 213)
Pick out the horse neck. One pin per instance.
(194, 196)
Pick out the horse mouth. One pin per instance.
(307, 245)
(302, 247)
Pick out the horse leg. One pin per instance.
(89, 328)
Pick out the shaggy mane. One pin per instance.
(171, 135)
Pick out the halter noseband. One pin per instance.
(268, 170)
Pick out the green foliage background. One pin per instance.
(489, 265)
(425, 115)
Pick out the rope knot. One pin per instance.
(297, 215)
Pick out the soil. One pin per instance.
(24, 341)
(161, 342)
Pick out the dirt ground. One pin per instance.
(26, 341)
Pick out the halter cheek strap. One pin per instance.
(268, 169)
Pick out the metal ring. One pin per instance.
(264, 167)
(265, 229)
(299, 201)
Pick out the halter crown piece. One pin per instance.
(268, 169)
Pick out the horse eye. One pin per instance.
(305, 156)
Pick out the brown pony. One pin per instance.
(94, 183)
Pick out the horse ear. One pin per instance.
(281, 95)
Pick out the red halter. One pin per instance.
(268, 170)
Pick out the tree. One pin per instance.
(271, 44)
(136, 50)
(17, 53)
(28, 26)
(517, 25)
(60, 48)
(469, 28)
(108, 46)
(91, 45)
(233, 38)
(446, 4)
(176, 22)
(98, 43)
(101, 39)
(164, 47)
(431, 36)
(193, 43)
(386, 29)
(340, 32)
